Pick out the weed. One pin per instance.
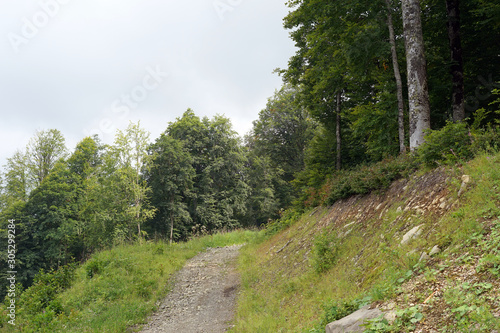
(405, 321)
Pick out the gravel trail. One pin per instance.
(203, 298)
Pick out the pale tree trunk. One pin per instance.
(418, 94)
(457, 66)
(397, 76)
(337, 133)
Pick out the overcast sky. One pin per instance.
(91, 66)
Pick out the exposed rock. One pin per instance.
(424, 257)
(353, 322)
(413, 233)
(465, 181)
(390, 316)
(435, 250)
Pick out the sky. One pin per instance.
(91, 66)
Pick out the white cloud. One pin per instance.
(91, 52)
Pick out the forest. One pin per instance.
(357, 99)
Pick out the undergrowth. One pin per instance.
(454, 144)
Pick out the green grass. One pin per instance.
(115, 290)
(282, 292)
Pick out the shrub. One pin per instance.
(455, 143)
(287, 218)
(45, 288)
(367, 178)
(324, 252)
(451, 144)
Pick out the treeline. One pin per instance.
(196, 178)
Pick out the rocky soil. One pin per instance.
(203, 298)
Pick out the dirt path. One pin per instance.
(204, 295)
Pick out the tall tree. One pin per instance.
(132, 157)
(397, 76)
(280, 136)
(342, 46)
(338, 134)
(219, 190)
(43, 151)
(418, 93)
(457, 64)
(171, 180)
(17, 182)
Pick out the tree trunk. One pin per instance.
(171, 227)
(457, 65)
(337, 133)
(418, 93)
(397, 76)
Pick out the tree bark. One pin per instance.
(418, 93)
(171, 227)
(397, 76)
(338, 134)
(457, 65)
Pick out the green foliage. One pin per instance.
(276, 148)
(468, 306)
(287, 218)
(219, 193)
(324, 253)
(171, 179)
(405, 321)
(41, 296)
(456, 143)
(333, 311)
(364, 179)
(452, 143)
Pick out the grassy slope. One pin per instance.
(126, 284)
(297, 280)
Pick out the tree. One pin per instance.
(43, 151)
(50, 214)
(85, 164)
(219, 190)
(343, 49)
(280, 137)
(457, 64)
(17, 183)
(171, 180)
(397, 76)
(130, 150)
(418, 93)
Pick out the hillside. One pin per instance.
(333, 260)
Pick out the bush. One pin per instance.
(287, 218)
(46, 286)
(451, 144)
(456, 143)
(367, 178)
(324, 252)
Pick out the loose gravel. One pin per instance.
(203, 298)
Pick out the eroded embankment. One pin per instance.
(283, 290)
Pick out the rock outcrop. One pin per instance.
(353, 322)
